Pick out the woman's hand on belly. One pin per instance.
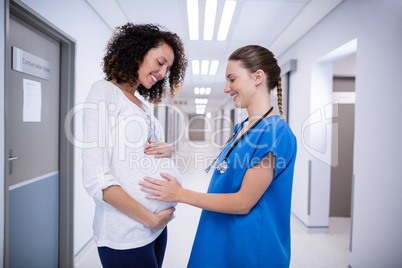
(122, 201)
(161, 219)
(159, 149)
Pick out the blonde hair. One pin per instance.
(279, 94)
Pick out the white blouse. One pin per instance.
(115, 134)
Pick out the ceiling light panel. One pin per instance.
(195, 64)
(227, 15)
(214, 67)
(204, 67)
(201, 101)
(209, 20)
(192, 14)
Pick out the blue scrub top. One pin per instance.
(262, 237)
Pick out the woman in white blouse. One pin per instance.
(122, 141)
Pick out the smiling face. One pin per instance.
(239, 84)
(156, 64)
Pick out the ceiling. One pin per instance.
(275, 24)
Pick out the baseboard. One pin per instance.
(83, 253)
(310, 229)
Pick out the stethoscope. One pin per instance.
(223, 166)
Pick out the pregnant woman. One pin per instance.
(122, 141)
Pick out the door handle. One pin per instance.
(12, 158)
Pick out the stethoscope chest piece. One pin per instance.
(222, 167)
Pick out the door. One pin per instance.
(32, 148)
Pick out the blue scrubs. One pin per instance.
(262, 237)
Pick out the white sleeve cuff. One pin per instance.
(104, 181)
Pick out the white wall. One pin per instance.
(78, 20)
(2, 130)
(377, 215)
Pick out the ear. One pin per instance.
(259, 76)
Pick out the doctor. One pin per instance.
(245, 220)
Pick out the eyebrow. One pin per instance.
(227, 77)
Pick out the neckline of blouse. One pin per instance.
(146, 112)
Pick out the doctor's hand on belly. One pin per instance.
(159, 149)
(168, 190)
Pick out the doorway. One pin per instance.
(322, 122)
(38, 157)
(344, 108)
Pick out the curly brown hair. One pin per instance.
(125, 53)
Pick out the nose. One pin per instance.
(162, 73)
(227, 88)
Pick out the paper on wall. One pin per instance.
(32, 101)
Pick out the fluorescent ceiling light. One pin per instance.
(202, 90)
(204, 67)
(196, 67)
(214, 67)
(227, 15)
(192, 14)
(200, 106)
(201, 101)
(196, 90)
(207, 91)
(209, 20)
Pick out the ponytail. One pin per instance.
(279, 94)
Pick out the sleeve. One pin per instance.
(273, 138)
(96, 155)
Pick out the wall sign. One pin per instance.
(30, 64)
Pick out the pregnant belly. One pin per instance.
(152, 168)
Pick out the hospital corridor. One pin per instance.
(314, 85)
